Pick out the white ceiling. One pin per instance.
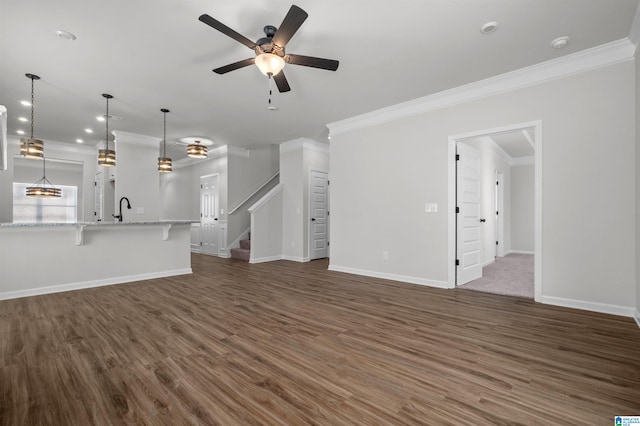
(156, 54)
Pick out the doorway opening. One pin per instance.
(495, 210)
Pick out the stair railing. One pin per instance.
(254, 193)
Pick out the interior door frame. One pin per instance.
(309, 203)
(451, 233)
(499, 215)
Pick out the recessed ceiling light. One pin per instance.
(24, 119)
(79, 141)
(65, 35)
(111, 117)
(88, 130)
(25, 103)
(489, 27)
(560, 42)
(20, 132)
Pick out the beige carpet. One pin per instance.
(511, 275)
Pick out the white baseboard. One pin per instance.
(520, 252)
(636, 317)
(295, 259)
(589, 306)
(393, 277)
(488, 262)
(90, 284)
(265, 259)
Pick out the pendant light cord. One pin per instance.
(32, 119)
(107, 125)
(164, 138)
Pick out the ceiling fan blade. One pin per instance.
(214, 23)
(281, 82)
(311, 61)
(236, 65)
(290, 24)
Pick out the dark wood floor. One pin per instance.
(287, 343)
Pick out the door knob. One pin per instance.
(313, 219)
(215, 218)
(483, 220)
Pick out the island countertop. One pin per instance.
(157, 222)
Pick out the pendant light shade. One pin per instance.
(43, 188)
(31, 147)
(164, 162)
(107, 157)
(196, 150)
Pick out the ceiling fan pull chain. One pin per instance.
(270, 90)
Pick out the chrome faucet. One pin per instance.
(119, 216)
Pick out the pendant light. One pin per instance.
(107, 157)
(195, 150)
(43, 188)
(164, 162)
(31, 147)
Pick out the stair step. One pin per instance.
(240, 253)
(245, 244)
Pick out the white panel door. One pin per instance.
(469, 242)
(209, 194)
(318, 213)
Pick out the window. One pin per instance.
(45, 210)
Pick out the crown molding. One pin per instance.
(597, 57)
(240, 152)
(135, 139)
(303, 143)
(57, 146)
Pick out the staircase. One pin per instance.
(244, 251)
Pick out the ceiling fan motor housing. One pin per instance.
(266, 45)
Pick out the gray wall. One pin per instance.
(522, 208)
(637, 115)
(297, 158)
(180, 189)
(382, 175)
(246, 174)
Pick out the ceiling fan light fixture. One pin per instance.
(269, 63)
(196, 150)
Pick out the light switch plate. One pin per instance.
(431, 207)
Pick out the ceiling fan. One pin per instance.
(270, 53)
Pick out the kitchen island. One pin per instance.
(42, 258)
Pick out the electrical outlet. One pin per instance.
(385, 255)
(140, 210)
